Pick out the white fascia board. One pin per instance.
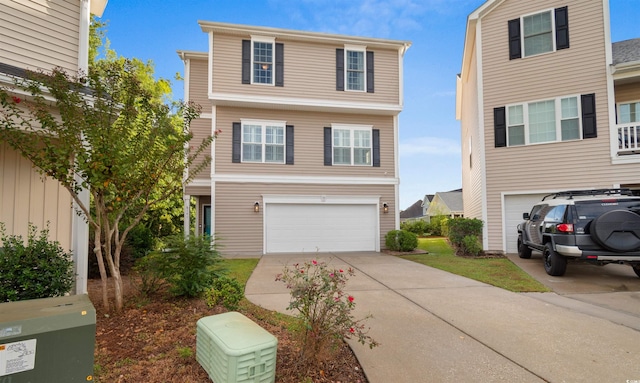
(280, 179)
(231, 99)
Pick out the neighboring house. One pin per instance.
(413, 212)
(446, 203)
(42, 35)
(425, 203)
(546, 103)
(307, 159)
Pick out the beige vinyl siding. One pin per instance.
(201, 129)
(40, 34)
(306, 66)
(25, 198)
(240, 229)
(581, 69)
(308, 143)
(472, 181)
(198, 83)
(627, 92)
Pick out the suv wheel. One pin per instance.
(554, 263)
(523, 250)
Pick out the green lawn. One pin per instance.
(500, 272)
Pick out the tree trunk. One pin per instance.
(97, 249)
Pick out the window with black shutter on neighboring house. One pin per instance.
(564, 118)
(351, 145)
(539, 33)
(262, 61)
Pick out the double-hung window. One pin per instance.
(629, 112)
(355, 68)
(262, 59)
(352, 145)
(263, 141)
(535, 122)
(538, 33)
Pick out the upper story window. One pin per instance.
(354, 69)
(263, 141)
(628, 112)
(262, 61)
(559, 119)
(543, 121)
(539, 33)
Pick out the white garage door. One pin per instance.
(515, 205)
(320, 227)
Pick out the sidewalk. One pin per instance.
(434, 326)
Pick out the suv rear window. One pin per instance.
(588, 210)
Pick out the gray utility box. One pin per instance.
(47, 340)
(234, 349)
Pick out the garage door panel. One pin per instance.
(515, 205)
(320, 227)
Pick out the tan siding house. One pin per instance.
(306, 159)
(42, 35)
(545, 79)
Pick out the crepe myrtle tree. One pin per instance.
(106, 132)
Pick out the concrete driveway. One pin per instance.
(610, 292)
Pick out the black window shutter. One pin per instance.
(237, 143)
(289, 145)
(500, 127)
(369, 72)
(375, 135)
(279, 64)
(339, 69)
(514, 39)
(589, 116)
(246, 61)
(328, 161)
(562, 28)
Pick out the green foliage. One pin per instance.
(444, 226)
(186, 265)
(471, 246)
(418, 227)
(227, 291)
(435, 225)
(401, 240)
(323, 309)
(140, 241)
(41, 269)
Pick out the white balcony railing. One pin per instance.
(628, 138)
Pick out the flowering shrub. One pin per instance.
(323, 308)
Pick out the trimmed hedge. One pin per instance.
(401, 240)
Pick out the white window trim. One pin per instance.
(352, 128)
(272, 41)
(558, 119)
(618, 104)
(355, 48)
(263, 123)
(553, 32)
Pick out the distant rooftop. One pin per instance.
(626, 51)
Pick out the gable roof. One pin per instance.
(626, 51)
(453, 200)
(427, 199)
(412, 211)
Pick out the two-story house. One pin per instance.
(42, 35)
(307, 156)
(546, 103)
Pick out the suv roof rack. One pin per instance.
(573, 193)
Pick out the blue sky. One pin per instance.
(429, 133)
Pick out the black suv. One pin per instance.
(598, 226)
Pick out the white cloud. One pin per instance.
(429, 146)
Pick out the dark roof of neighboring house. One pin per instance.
(626, 51)
(412, 211)
(428, 198)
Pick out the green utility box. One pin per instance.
(234, 349)
(47, 340)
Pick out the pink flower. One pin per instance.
(352, 330)
(331, 275)
(16, 99)
(301, 271)
(314, 262)
(342, 271)
(351, 299)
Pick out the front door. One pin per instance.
(206, 220)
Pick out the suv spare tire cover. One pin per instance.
(617, 230)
